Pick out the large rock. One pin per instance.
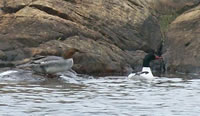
(116, 33)
(168, 10)
(173, 6)
(182, 46)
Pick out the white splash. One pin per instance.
(9, 72)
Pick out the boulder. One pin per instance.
(165, 7)
(182, 50)
(115, 33)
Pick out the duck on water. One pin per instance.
(50, 65)
(146, 73)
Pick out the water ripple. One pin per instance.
(75, 95)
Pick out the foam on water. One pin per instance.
(9, 72)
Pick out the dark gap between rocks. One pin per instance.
(71, 1)
(52, 12)
(12, 9)
(136, 4)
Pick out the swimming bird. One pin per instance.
(50, 65)
(146, 73)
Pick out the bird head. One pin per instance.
(70, 52)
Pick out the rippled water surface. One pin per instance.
(22, 94)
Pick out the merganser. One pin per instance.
(146, 73)
(53, 64)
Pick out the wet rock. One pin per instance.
(182, 45)
(6, 64)
(2, 55)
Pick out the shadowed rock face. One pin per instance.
(111, 31)
(173, 6)
(182, 46)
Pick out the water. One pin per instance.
(24, 94)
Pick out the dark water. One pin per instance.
(23, 94)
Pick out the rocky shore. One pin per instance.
(116, 34)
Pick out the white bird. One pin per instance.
(146, 73)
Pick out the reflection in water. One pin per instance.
(23, 93)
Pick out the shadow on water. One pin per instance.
(185, 76)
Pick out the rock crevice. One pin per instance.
(51, 11)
